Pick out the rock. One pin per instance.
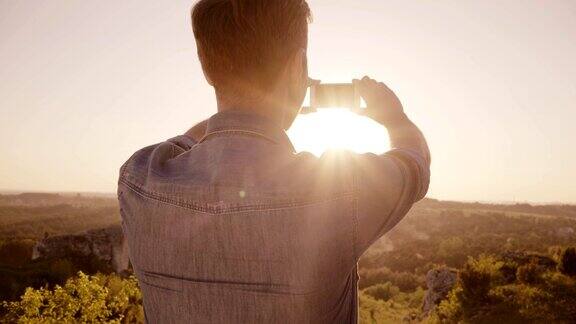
(439, 281)
(105, 244)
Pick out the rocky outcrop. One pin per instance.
(439, 281)
(106, 244)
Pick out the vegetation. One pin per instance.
(486, 293)
(85, 299)
(399, 307)
(498, 281)
(36, 222)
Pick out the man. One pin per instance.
(226, 224)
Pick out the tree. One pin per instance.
(567, 264)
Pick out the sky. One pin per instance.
(492, 84)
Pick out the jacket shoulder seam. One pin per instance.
(233, 209)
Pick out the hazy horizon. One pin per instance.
(492, 85)
(113, 195)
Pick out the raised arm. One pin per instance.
(391, 183)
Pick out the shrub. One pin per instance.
(537, 295)
(529, 273)
(567, 264)
(404, 280)
(477, 275)
(403, 308)
(99, 298)
(383, 292)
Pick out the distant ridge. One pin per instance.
(60, 193)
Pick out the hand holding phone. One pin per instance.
(382, 104)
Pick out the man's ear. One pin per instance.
(298, 65)
(297, 74)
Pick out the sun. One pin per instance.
(336, 128)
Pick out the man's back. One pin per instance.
(237, 228)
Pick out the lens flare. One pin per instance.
(336, 128)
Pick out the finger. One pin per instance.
(366, 81)
(366, 89)
(383, 86)
(313, 82)
(369, 83)
(360, 83)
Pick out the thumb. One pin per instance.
(313, 82)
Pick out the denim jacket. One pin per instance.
(238, 228)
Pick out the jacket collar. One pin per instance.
(246, 123)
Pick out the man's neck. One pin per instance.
(269, 109)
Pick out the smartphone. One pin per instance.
(333, 95)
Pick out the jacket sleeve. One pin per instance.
(389, 184)
(137, 167)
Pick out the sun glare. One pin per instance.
(337, 129)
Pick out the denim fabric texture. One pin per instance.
(238, 228)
